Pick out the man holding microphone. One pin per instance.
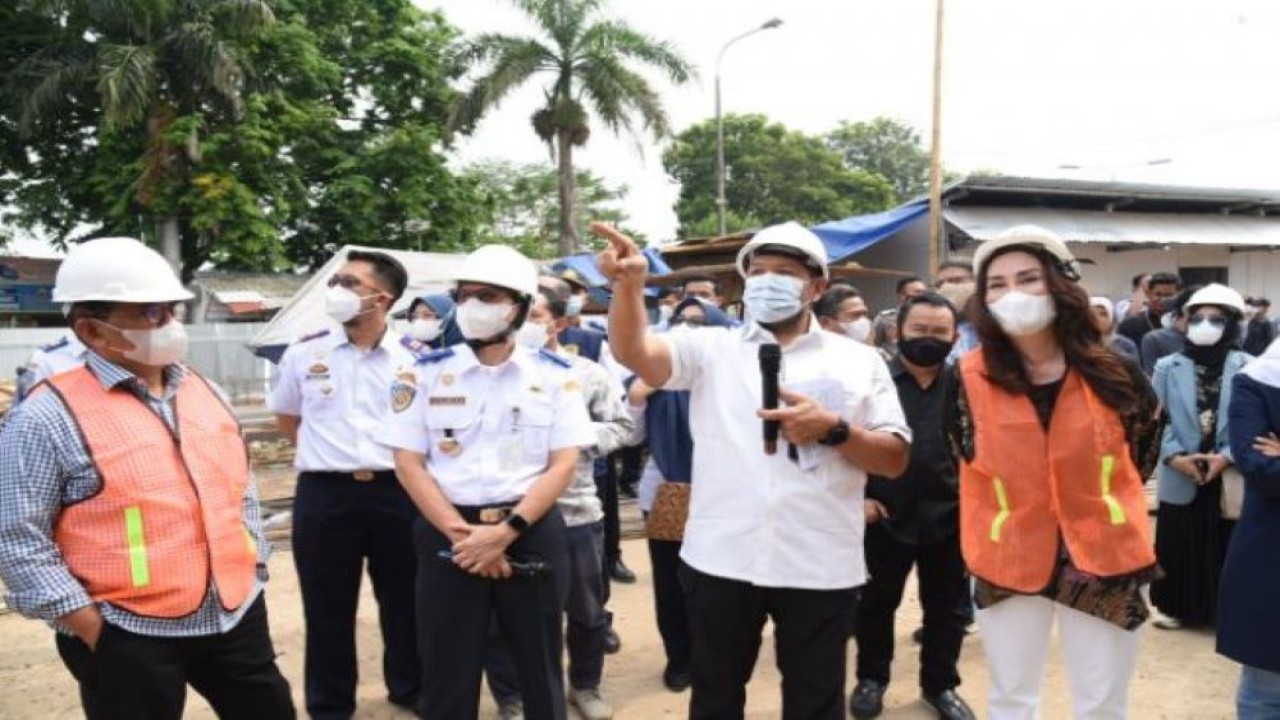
(770, 535)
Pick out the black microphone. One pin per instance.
(770, 364)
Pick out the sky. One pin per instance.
(1107, 86)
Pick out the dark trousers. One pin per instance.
(943, 586)
(585, 629)
(811, 638)
(455, 609)
(140, 677)
(606, 478)
(669, 603)
(338, 524)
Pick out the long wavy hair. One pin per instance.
(1075, 329)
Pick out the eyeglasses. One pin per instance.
(350, 282)
(1215, 320)
(156, 314)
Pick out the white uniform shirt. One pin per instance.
(505, 420)
(343, 395)
(765, 519)
(67, 353)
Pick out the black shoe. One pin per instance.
(621, 573)
(612, 643)
(627, 490)
(408, 703)
(917, 635)
(677, 679)
(868, 699)
(949, 705)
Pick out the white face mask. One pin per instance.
(857, 330)
(532, 335)
(573, 306)
(1204, 333)
(426, 329)
(1021, 313)
(772, 298)
(479, 320)
(342, 304)
(158, 347)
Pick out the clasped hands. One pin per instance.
(482, 549)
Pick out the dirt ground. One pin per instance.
(1179, 676)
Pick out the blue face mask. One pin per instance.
(772, 298)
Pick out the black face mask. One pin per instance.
(925, 351)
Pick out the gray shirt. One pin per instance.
(603, 394)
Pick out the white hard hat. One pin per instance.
(1104, 303)
(1215, 294)
(789, 235)
(1031, 236)
(501, 266)
(116, 269)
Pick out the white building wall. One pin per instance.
(1252, 273)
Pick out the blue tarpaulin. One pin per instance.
(855, 234)
(585, 265)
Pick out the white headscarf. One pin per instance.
(1266, 367)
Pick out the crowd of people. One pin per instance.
(795, 456)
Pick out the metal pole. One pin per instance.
(722, 203)
(935, 152)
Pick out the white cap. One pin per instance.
(1215, 294)
(1031, 236)
(501, 266)
(116, 269)
(1105, 303)
(792, 235)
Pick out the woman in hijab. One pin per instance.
(431, 321)
(1194, 386)
(1249, 595)
(662, 422)
(1105, 313)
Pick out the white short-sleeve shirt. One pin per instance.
(766, 519)
(488, 431)
(342, 393)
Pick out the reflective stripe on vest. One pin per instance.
(167, 519)
(1027, 491)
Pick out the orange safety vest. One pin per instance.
(168, 517)
(1025, 488)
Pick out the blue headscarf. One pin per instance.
(666, 415)
(444, 307)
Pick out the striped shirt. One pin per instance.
(45, 466)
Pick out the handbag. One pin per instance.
(1232, 499)
(670, 511)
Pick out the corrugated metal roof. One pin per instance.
(1120, 228)
(1113, 188)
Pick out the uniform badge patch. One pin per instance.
(570, 349)
(446, 379)
(403, 392)
(447, 400)
(572, 386)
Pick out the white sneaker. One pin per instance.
(590, 705)
(511, 711)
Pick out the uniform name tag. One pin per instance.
(447, 400)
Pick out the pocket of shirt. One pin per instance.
(535, 428)
(320, 399)
(458, 422)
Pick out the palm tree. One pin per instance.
(585, 58)
(152, 64)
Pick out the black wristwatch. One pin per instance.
(517, 522)
(837, 435)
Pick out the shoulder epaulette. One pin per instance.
(435, 357)
(553, 358)
(57, 344)
(313, 336)
(417, 347)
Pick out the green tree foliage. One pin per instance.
(772, 174)
(588, 60)
(325, 130)
(522, 205)
(887, 148)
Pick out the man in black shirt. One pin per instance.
(1259, 332)
(1160, 288)
(914, 520)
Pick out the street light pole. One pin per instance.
(721, 203)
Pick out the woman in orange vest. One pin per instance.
(1055, 434)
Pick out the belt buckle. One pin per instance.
(362, 475)
(493, 515)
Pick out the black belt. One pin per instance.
(356, 475)
(487, 514)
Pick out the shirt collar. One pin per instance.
(465, 359)
(753, 332)
(112, 375)
(387, 342)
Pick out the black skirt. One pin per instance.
(1191, 546)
